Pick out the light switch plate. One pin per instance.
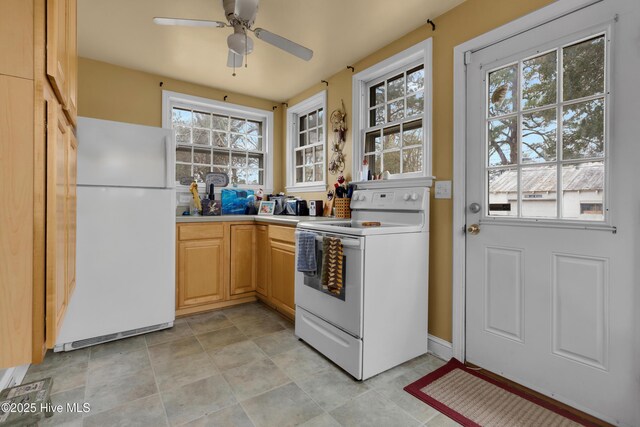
(443, 190)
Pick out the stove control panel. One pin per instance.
(414, 199)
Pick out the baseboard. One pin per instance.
(13, 376)
(440, 348)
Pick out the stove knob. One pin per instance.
(406, 197)
(414, 197)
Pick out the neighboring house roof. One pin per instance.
(583, 177)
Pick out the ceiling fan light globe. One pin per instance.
(239, 43)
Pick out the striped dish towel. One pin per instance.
(332, 265)
(306, 261)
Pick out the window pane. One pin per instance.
(220, 122)
(221, 170)
(183, 154)
(303, 122)
(373, 142)
(391, 138)
(375, 163)
(237, 141)
(412, 133)
(201, 136)
(376, 116)
(415, 104)
(415, 79)
(221, 158)
(239, 176)
(302, 139)
(259, 145)
(395, 87)
(313, 136)
(238, 160)
(503, 142)
(220, 139)
(412, 160)
(583, 191)
(376, 95)
(308, 173)
(237, 125)
(395, 110)
(502, 90)
(182, 171)
(583, 69)
(319, 151)
(299, 174)
(539, 137)
(539, 81)
(583, 130)
(254, 128)
(313, 120)
(320, 117)
(252, 143)
(183, 135)
(539, 191)
(391, 162)
(320, 135)
(201, 156)
(503, 192)
(308, 156)
(202, 120)
(318, 172)
(181, 117)
(256, 161)
(200, 172)
(299, 158)
(254, 176)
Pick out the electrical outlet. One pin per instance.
(184, 198)
(443, 190)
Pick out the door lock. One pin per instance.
(474, 208)
(473, 229)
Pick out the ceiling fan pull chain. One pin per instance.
(246, 49)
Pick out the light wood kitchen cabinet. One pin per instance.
(58, 48)
(71, 107)
(16, 41)
(262, 259)
(243, 259)
(282, 269)
(201, 273)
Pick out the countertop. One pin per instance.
(271, 219)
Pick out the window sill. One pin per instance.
(306, 188)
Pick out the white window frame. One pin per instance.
(180, 100)
(310, 104)
(421, 52)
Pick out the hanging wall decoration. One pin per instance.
(339, 125)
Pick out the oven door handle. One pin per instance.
(345, 243)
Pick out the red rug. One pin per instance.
(473, 399)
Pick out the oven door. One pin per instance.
(343, 310)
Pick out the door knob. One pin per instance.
(474, 207)
(473, 229)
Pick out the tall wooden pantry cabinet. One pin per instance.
(38, 151)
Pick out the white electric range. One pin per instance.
(379, 319)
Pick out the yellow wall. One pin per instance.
(468, 20)
(109, 92)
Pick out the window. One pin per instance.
(392, 114)
(306, 144)
(219, 137)
(545, 127)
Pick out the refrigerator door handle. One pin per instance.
(170, 161)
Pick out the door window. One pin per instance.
(545, 132)
(315, 280)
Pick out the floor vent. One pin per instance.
(75, 345)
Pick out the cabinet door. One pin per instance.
(200, 272)
(282, 263)
(243, 259)
(56, 245)
(262, 262)
(16, 38)
(71, 106)
(72, 173)
(57, 48)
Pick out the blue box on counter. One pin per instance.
(234, 202)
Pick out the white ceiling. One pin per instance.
(340, 32)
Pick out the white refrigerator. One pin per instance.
(125, 277)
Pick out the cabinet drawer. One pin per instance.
(286, 234)
(200, 231)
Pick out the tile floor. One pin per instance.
(240, 366)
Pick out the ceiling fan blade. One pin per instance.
(234, 60)
(284, 44)
(188, 22)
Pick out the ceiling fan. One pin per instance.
(241, 15)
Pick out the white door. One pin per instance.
(553, 121)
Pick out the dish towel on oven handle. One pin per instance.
(306, 262)
(332, 254)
